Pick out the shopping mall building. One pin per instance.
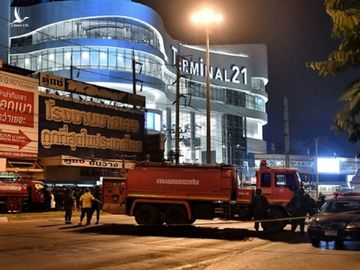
(99, 38)
(119, 44)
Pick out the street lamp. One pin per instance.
(207, 17)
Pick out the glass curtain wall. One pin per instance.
(187, 143)
(97, 28)
(88, 58)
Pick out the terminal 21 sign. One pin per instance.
(69, 127)
(233, 74)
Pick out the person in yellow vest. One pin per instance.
(86, 203)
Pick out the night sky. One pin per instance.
(295, 32)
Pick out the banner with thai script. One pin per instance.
(104, 93)
(51, 81)
(71, 161)
(69, 127)
(18, 116)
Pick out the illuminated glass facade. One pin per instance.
(98, 41)
(97, 28)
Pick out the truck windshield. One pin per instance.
(286, 180)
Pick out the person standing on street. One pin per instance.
(298, 207)
(86, 203)
(321, 200)
(52, 201)
(96, 204)
(69, 200)
(260, 206)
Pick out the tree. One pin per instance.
(345, 15)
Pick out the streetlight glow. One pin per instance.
(207, 17)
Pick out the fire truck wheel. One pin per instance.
(147, 214)
(176, 215)
(275, 226)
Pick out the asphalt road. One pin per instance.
(45, 242)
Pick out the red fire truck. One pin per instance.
(180, 194)
(20, 195)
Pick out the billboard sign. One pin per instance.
(18, 116)
(100, 92)
(75, 128)
(328, 165)
(51, 81)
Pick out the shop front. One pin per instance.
(66, 170)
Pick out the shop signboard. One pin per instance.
(75, 128)
(51, 81)
(71, 161)
(18, 116)
(100, 92)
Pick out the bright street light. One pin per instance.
(207, 17)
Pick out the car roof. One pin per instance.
(346, 198)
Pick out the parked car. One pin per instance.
(338, 220)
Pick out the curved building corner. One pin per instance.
(97, 41)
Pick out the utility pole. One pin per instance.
(133, 67)
(316, 166)
(230, 149)
(208, 97)
(71, 67)
(287, 135)
(134, 80)
(177, 111)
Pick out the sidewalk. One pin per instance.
(39, 215)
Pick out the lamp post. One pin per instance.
(207, 17)
(316, 166)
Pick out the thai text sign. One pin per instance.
(81, 129)
(51, 81)
(18, 115)
(105, 93)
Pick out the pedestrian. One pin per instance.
(77, 194)
(96, 204)
(321, 200)
(59, 199)
(310, 204)
(69, 200)
(52, 201)
(260, 206)
(86, 203)
(47, 198)
(298, 208)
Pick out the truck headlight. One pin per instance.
(353, 225)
